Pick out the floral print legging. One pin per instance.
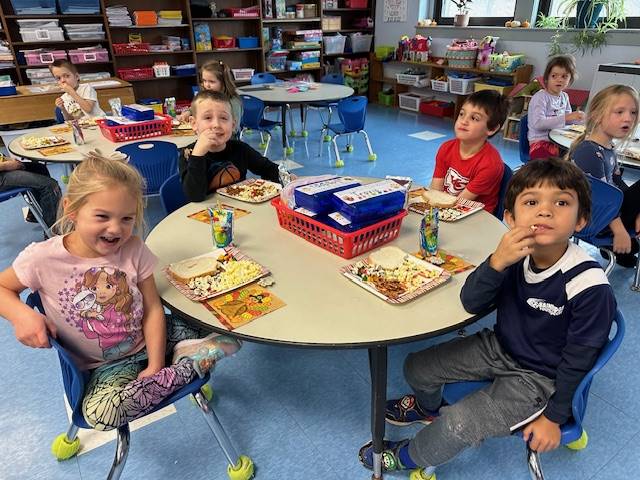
(114, 396)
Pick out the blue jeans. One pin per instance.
(35, 177)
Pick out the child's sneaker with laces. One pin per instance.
(390, 455)
(406, 411)
(205, 352)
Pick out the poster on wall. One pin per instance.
(395, 10)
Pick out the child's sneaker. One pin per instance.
(390, 455)
(406, 411)
(205, 352)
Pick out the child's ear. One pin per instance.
(582, 222)
(192, 122)
(65, 206)
(509, 219)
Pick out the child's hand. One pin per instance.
(66, 88)
(33, 330)
(638, 224)
(208, 141)
(11, 164)
(149, 371)
(59, 103)
(513, 247)
(542, 434)
(621, 242)
(576, 116)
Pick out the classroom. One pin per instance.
(412, 226)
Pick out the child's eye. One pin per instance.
(128, 219)
(530, 203)
(100, 215)
(562, 203)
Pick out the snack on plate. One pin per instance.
(388, 258)
(31, 143)
(234, 274)
(251, 190)
(436, 198)
(188, 270)
(87, 122)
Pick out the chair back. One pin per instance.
(58, 114)
(523, 139)
(577, 98)
(506, 176)
(252, 112)
(333, 78)
(605, 206)
(172, 196)
(155, 160)
(353, 113)
(259, 78)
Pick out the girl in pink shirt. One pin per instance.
(96, 284)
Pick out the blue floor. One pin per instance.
(303, 413)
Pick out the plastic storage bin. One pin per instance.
(184, 70)
(134, 131)
(318, 197)
(34, 7)
(356, 3)
(242, 74)
(360, 43)
(50, 34)
(223, 41)
(440, 85)
(138, 113)
(345, 245)
(410, 101)
(44, 57)
(462, 86)
(93, 55)
(413, 80)
(501, 89)
(385, 99)
(131, 48)
(161, 70)
(141, 73)
(248, 42)
(334, 44)
(370, 202)
(437, 108)
(84, 7)
(8, 90)
(86, 35)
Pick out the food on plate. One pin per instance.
(32, 142)
(436, 198)
(388, 258)
(252, 190)
(234, 274)
(187, 270)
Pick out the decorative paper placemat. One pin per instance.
(244, 305)
(450, 262)
(203, 215)
(61, 129)
(47, 152)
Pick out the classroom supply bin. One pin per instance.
(242, 74)
(45, 34)
(501, 89)
(79, 7)
(440, 85)
(140, 73)
(89, 55)
(161, 125)
(356, 3)
(462, 86)
(334, 44)
(34, 7)
(385, 99)
(184, 70)
(84, 36)
(131, 48)
(247, 12)
(44, 57)
(248, 42)
(437, 108)
(410, 101)
(414, 80)
(137, 112)
(360, 43)
(161, 70)
(223, 41)
(318, 197)
(343, 244)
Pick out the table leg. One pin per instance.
(378, 368)
(284, 126)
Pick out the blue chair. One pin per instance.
(31, 202)
(155, 160)
(506, 176)
(59, 115)
(574, 436)
(172, 196)
(260, 78)
(523, 139)
(605, 207)
(253, 118)
(353, 113)
(66, 445)
(332, 78)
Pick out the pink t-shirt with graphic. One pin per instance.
(95, 303)
(481, 173)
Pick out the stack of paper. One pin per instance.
(169, 17)
(118, 16)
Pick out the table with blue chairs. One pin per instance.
(324, 309)
(277, 94)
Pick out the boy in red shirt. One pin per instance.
(469, 166)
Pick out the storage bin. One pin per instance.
(44, 57)
(223, 41)
(248, 12)
(138, 113)
(88, 55)
(8, 90)
(131, 48)
(34, 7)
(334, 44)
(462, 58)
(501, 89)
(360, 43)
(154, 103)
(331, 24)
(86, 35)
(161, 70)
(437, 108)
(410, 101)
(84, 7)
(141, 73)
(343, 244)
(51, 34)
(242, 74)
(505, 63)
(421, 80)
(318, 197)
(310, 10)
(440, 85)
(248, 42)
(385, 99)
(462, 86)
(384, 51)
(356, 3)
(184, 70)
(122, 133)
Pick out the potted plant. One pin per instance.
(461, 19)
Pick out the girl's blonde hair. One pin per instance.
(97, 174)
(223, 74)
(600, 106)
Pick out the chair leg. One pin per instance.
(611, 263)
(266, 147)
(636, 279)
(292, 128)
(305, 112)
(339, 162)
(236, 462)
(122, 451)
(533, 462)
(372, 156)
(35, 208)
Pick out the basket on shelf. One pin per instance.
(161, 125)
(411, 101)
(419, 80)
(131, 48)
(440, 85)
(247, 12)
(462, 53)
(140, 73)
(242, 74)
(462, 86)
(161, 70)
(343, 244)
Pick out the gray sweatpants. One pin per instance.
(515, 395)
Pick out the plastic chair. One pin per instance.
(523, 139)
(605, 206)
(574, 436)
(155, 160)
(31, 202)
(260, 78)
(353, 113)
(506, 176)
(59, 116)
(172, 196)
(332, 78)
(66, 445)
(253, 118)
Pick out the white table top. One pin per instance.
(277, 93)
(93, 139)
(323, 308)
(558, 136)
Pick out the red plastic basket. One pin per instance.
(250, 12)
(343, 244)
(131, 48)
(142, 73)
(133, 131)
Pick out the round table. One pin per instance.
(276, 94)
(93, 139)
(323, 308)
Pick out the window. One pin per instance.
(481, 12)
(631, 7)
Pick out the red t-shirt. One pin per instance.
(481, 174)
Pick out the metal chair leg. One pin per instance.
(636, 279)
(122, 451)
(339, 162)
(35, 208)
(241, 133)
(533, 462)
(611, 263)
(266, 148)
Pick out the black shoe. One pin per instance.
(626, 260)
(30, 217)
